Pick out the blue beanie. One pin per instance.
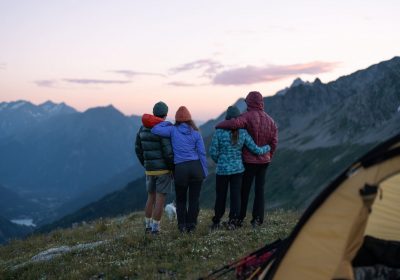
(232, 112)
(160, 109)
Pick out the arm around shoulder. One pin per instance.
(236, 123)
(163, 129)
(252, 146)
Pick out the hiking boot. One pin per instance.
(147, 230)
(215, 226)
(190, 228)
(239, 223)
(256, 223)
(231, 225)
(182, 228)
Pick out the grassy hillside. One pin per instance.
(127, 253)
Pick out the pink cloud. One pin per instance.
(46, 83)
(254, 74)
(95, 81)
(209, 66)
(132, 73)
(181, 84)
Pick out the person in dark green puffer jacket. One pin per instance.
(156, 155)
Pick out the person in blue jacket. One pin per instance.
(190, 165)
(226, 151)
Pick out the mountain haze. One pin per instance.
(54, 159)
(69, 153)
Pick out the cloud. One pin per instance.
(210, 67)
(182, 84)
(95, 81)
(254, 74)
(131, 73)
(46, 83)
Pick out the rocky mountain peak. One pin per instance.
(298, 81)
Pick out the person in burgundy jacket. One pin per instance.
(263, 130)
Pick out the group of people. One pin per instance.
(174, 154)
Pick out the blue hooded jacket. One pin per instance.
(187, 143)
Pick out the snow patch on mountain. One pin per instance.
(54, 108)
(241, 104)
(296, 82)
(48, 105)
(17, 105)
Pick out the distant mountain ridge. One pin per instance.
(357, 108)
(51, 152)
(19, 115)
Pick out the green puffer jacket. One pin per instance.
(154, 152)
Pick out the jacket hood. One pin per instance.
(184, 129)
(254, 101)
(149, 120)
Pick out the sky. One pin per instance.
(201, 54)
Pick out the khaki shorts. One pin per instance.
(159, 183)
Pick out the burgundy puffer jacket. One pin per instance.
(259, 125)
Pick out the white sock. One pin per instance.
(148, 222)
(155, 226)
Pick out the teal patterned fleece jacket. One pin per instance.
(227, 156)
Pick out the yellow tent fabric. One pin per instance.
(329, 240)
(384, 221)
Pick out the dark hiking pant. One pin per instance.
(234, 183)
(258, 172)
(188, 179)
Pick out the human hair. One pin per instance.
(235, 136)
(190, 123)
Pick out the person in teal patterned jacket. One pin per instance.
(226, 151)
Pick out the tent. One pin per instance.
(361, 206)
(350, 231)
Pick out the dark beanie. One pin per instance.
(160, 109)
(183, 114)
(232, 112)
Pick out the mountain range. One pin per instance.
(323, 127)
(20, 115)
(55, 157)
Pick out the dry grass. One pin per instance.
(130, 254)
